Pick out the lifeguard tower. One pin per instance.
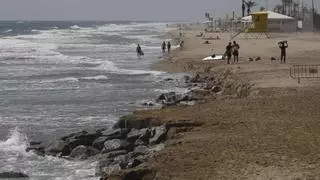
(257, 26)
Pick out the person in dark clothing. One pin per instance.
(169, 46)
(229, 52)
(139, 51)
(235, 52)
(164, 46)
(283, 45)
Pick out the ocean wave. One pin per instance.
(75, 27)
(16, 143)
(69, 79)
(100, 77)
(7, 31)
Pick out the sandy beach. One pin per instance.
(273, 133)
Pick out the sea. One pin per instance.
(62, 77)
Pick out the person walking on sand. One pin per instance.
(169, 46)
(235, 52)
(283, 45)
(229, 52)
(163, 46)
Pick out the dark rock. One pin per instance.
(250, 59)
(139, 173)
(83, 152)
(172, 98)
(196, 79)
(102, 164)
(130, 163)
(135, 134)
(74, 142)
(139, 150)
(159, 134)
(57, 147)
(35, 143)
(216, 89)
(6, 175)
(130, 121)
(116, 153)
(119, 133)
(208, 86)
(147, 104)
(116, 144)
(99, 142)
(167, 96)
(168, 79)
(258, 58)
(273, 59)
(187, 79)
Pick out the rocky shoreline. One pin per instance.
(122, 152)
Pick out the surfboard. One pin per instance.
(217, 57)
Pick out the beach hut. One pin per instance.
(275, 22)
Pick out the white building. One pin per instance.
(277, 22)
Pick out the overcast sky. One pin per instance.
(158, 10)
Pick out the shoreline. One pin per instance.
(234, 132)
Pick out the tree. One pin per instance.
(296, 9)
(284, 6)
(250, 4)
(278, 8)
(243, 8)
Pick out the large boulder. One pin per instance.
(83, 152)
(142, 134)
(57, 147)
(116, 144)
(106, 166)
(11, 174)
(39, 147)
(115, 133)
(99, 142)
(159, 134)
(85, 135)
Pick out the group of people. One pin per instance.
(232, 49)
(165, 46)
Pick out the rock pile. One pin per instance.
(118, 151)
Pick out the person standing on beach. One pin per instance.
(235, 52)
(283, 45)
(229, 51)
(169, 46)
(164, 46)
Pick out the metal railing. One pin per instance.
(305, 72)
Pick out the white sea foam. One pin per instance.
(75, 27)
(100, 77)
(15, 144)
(7, 31)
